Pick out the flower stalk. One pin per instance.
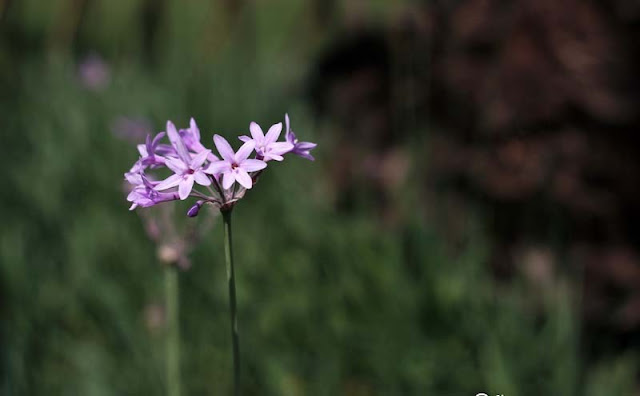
(226, 216)
(172, 337)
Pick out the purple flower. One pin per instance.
(191, 139)
(148, 151)
(235, 166)
(186, 170)
(299, 148)
(267, 147)
(144, 193)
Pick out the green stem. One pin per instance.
(172, 339)
(226, 215)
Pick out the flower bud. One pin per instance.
(195, 209)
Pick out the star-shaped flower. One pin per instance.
(191, 139)
(267, 147)
(144, 193)
(148, 151)
(234, 166)
(187, 170)
(299, 148)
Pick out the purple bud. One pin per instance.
(195, 209)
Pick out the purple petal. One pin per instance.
(243, 178)
(252, 165)
(147, 143)
(178, 144)
(169, 182)
(199, 159)
(176, 165)
(156, 139)
(218, 167)
(273, 134)
(307, 156)
(272, 156)
(148, 183)
(244, 138)
(245, 151)
(228, 179)
(256, 132)
(305, 146)
(165, 149)
(133, 178)
(224, 148)
(142, 149)
(184, 189)
(212, 157)
(202, 179)
(291, 137)
(195, 131)
(133, 195)
(280, 148)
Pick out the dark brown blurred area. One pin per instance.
(530, 110)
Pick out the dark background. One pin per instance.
(470, 223)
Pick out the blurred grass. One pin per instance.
(329, 303)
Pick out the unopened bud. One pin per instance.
(195, 209)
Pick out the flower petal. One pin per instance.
(252, 165)
(184, 189)
(165, 149)
(177, 143)
(243, 178)
(244, 138)
(256, 132)
(224, 148)
(290, 136)
(273, 134)
(195, 131)
(169, 182)
(244, 151)
(305, 146)
(212, 157)
(306, 155)
(272, 156)
(202, 179)
(148, 183)
(199, 159)
(280, 148)
(228, 179)
(142, 149)
(218, 167)
(176, 165)
(156, 139)
(133, 178)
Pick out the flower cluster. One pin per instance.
(225, 179)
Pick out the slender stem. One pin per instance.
(226, 215)
(220, 190)
(172, 339)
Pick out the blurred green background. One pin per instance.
(347, 285)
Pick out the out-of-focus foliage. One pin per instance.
(330, 302)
